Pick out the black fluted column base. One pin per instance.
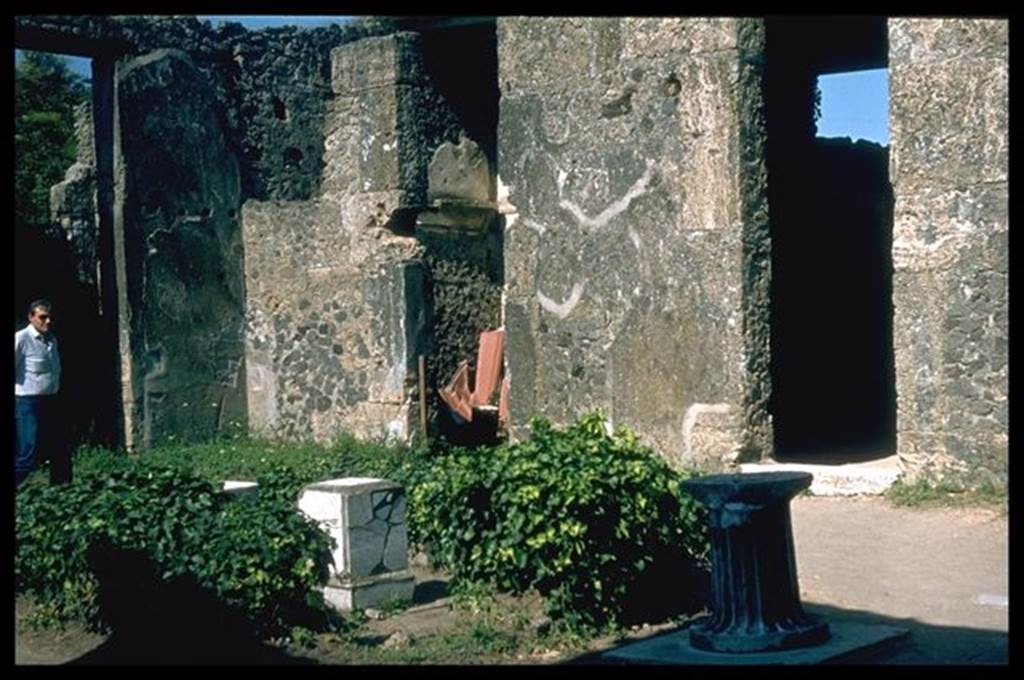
(754, 592)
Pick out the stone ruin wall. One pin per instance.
(949, 161)
(73, 201)
(636, 245)
(341, 288)
(256, 104)
(631, 189)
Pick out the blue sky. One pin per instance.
(253, 21)
(853, 104)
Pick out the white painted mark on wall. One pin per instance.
(536, 226)
(613, 210)
(395, 431)
(989, 600)
(690, 419)
(503, 191)
(633, 236)
(564, 308)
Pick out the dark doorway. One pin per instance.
(830, 202)
(66, 256)
(55, 234)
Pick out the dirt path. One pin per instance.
(35, 647)
(943, 573)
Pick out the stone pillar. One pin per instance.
(177, 201)
(336, 303)
(631, 175)
(114, 429)
(949, 150)
(366, 519)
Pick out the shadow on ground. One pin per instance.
(429, 591)
(928, 644)
(167, 622)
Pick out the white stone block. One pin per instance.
(240, 489)
(370, 592)
(322, 506)
(366, 518)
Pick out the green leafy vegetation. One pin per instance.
(262, 558)
(922, 494)
(593, 521)
(46, 92)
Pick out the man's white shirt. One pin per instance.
(36, 363)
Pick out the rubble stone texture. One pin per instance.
(73, 201)
(337, 303)
(950, 149)
(636, 248)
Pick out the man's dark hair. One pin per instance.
(37, 304)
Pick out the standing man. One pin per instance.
(36, 384)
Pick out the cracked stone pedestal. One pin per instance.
(366, 518)
(756, 614)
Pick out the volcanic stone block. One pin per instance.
(366, 518)
(460, 172)
(375, 62)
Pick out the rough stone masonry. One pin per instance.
(340, 201)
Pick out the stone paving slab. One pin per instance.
(850, 643)
(852, 479)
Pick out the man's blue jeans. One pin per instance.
(37, 428)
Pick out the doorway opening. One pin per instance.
(830, 205)
(63, 156)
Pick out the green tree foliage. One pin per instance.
(46, 92)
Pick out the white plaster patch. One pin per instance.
(915, 254)
(989, 600)
(634, 237)
(365, 147)
(690, 419)
(396, 373)
(564, 308)
(503, 190)
(396, 430)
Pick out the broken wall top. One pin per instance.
(271, 86)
